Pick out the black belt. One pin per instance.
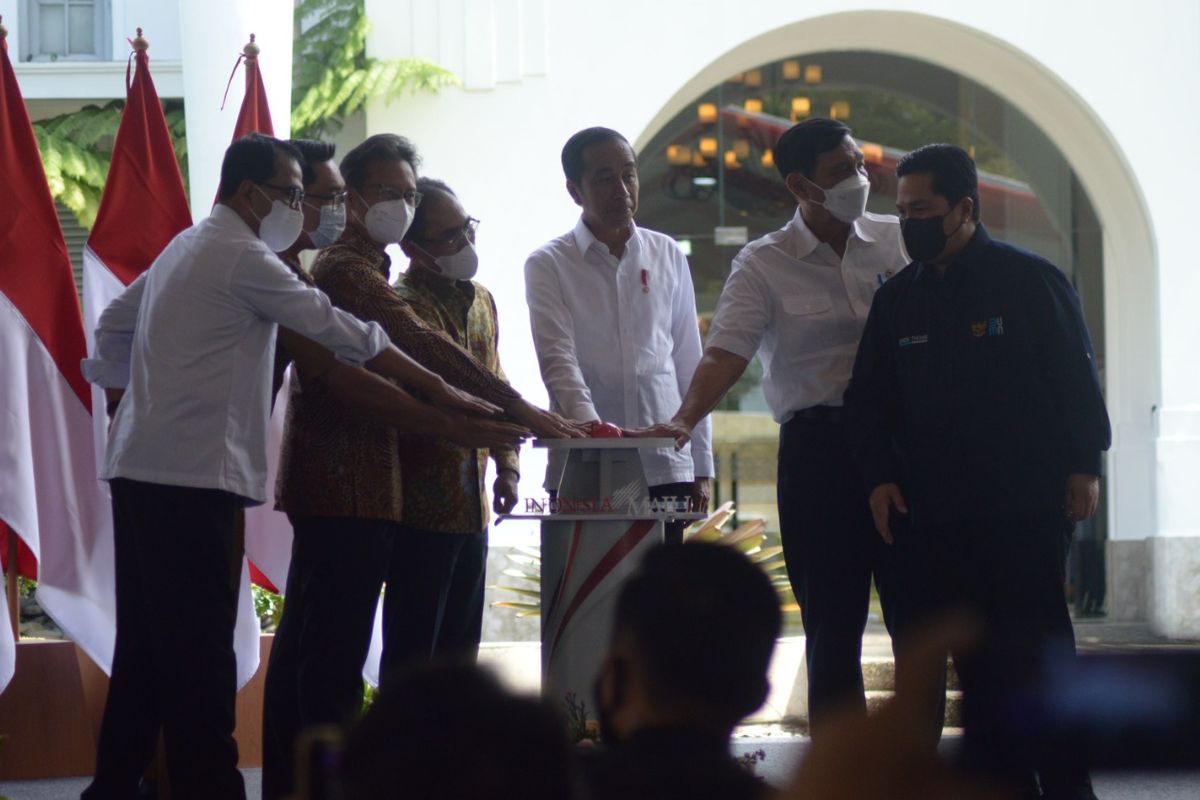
(834, 414)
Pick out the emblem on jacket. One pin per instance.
(988, 327)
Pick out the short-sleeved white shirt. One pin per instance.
(792, 300)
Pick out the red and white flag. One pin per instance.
(49, 494)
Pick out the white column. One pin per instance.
(1173, 555)
(212, 35)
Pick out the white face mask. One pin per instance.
(388, 221)
(281, 226)
(460, 266)
(847, 200)
(329, 229)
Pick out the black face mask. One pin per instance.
(924, 238)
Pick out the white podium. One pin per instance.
(593, 538)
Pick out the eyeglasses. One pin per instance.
(410, 196)
(294, 196)
(452, 236)
(338, 199)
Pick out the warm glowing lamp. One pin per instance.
(731, 160)
(679, 155)
(753, 105)
(840, 110)
(707, 112)
(791, 70)
(708, 146)
(754, 77)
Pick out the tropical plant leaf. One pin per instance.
(76, 152)
(332, 75)
(521, 590)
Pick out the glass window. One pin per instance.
(708, 179)
(66, 29)
(82, 27)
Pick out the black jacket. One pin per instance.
(977, 389)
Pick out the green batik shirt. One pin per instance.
(444, 487)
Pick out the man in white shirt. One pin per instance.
(613, 315)
(799, 299)
(190, 343)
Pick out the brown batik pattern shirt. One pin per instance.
(334, 462)
(444, 485)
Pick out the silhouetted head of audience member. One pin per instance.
(454, 732)
(692, 640)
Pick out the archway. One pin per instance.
(1129, 270)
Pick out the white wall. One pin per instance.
(213, 34)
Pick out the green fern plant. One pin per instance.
(332, 75)
(76, 150)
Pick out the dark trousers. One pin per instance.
(832, 552)
(178, 564)
(1009, 574)
(433, 606)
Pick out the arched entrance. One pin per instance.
(1124, 244)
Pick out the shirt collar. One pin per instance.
(364, 247)
(805, 241)
(226, 217)
(860, 230)
(584, 239)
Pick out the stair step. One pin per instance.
(876, 698)
(879, 674)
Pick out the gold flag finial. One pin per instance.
(139, 42)
(251, 50)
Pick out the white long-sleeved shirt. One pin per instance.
(792, 299)
(618, 340)
(192, 343)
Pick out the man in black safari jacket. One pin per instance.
(975, 388)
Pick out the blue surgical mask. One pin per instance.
(329, 229)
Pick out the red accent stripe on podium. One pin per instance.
(623, 547)
(572, 552)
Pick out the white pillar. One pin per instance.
(212, 35)
(1173, 555)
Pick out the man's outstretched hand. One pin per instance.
(480, 433)
(681, 432)
(545, 424)
(444, 396)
